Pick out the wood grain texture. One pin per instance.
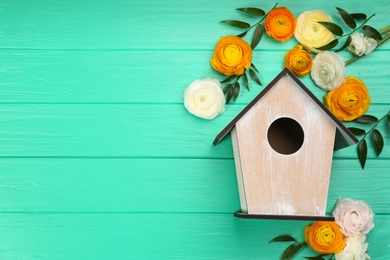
(99, 158)
(171, 24)
(101, 130)
(156, 236)
(133, 76)
(36, 185)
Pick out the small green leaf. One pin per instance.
(357, 131)
(237, 23)
(295, 250)
(388, 120)
(283, 238)
(236, 90)
(254, 77)
(252, 11)
(226, 88)
(229, 95)
(348, 19)
(372, 32)
(287, 251)
(245, 79)
(334, 28)
(362, 152)
(242, 34)
(378, 141)
(257, 36)
(254, 67)
(347, 42)
(329, 46)
(359, 16)
(319, 257)
(230, 78)
(366, 119)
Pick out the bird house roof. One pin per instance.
(343, 138)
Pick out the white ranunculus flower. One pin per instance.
(204, 98)
(361, 45)
(328, 71)
(312, 34)
(355, 249)
(353, 216)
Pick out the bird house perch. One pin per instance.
(283, 144)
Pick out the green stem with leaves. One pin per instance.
(374, 126)
(255, 24)
(377, 138)
(357, 28)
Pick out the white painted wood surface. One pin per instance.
(280, 184)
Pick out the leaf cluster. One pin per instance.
(259, 30)
(232, 89)
(292, 249)
(295, 247)
(376, 136)
(350, 20)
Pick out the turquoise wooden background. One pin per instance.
(99, 158)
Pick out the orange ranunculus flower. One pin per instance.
(280, 24)
(232, 55)
(299, 61)
(349, 101)
(325, 237)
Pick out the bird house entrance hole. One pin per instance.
(285, 135)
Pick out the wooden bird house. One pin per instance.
(283, 144)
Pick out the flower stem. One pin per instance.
(385, 30)
(379, 44)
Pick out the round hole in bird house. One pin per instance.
(285, 135)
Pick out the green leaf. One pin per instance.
(378, 141)
(245, 79)
(257, 36)
(226, 88)
(362, 152)
(334, 28)
(242, 34)
(319, 257)
(347, 42)
(254, 77)
(230, 78)
(254, 67)
(366, 119)
(229, 95)
(329, 46)
(359, 16)
(237, 23)
(348, 19)
(372, 32)
(357, 131)
(388, 120)
(287, 251)
(283, 238)
(252, 11)
(236, 90)
(291, 251)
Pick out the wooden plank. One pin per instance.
(122, 130)
(120, 24)
(159, 76)
(157, 236)
(158, 185)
